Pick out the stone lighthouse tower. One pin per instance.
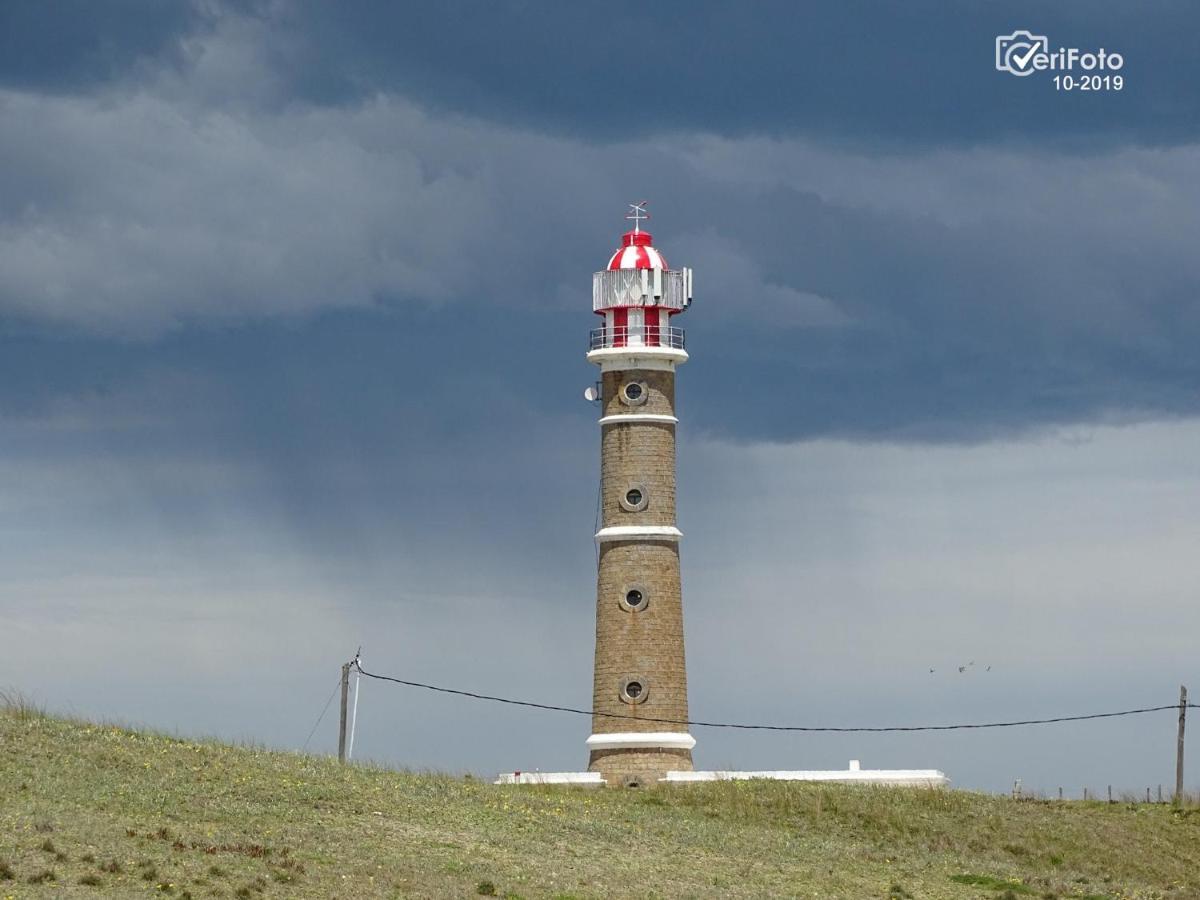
(640, 683)
(639, 687)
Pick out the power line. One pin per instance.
(806, 728)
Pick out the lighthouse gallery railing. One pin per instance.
(636, 336)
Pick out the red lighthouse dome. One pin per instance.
(636, 252)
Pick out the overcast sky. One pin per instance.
(293, 310)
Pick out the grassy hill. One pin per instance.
(96, 811)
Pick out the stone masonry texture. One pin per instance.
(647, 643)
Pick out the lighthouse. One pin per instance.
(639, 692)
(639, 710)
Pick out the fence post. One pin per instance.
(1179, 745)
(342, 722)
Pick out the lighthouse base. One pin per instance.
(635, 767)
(633, 758)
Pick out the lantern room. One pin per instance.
(638, 294)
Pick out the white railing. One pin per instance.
(636, 336)
(642, 287)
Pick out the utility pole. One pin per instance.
(354, 711)
(342, 723)
(1179, 746)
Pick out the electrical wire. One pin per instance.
(805, 728)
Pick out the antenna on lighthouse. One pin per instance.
(637, 213)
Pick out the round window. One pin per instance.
(636, 498)
(634, 690)
(635, 598)
(634, 393)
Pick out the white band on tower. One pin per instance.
(632, 532)
(659, 359)
(633, 740)
(639, 417)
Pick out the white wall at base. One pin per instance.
(587, 779)
(932, 778)
(626, 740)
(918, 778)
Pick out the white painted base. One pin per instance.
(587, 779)
(920, 778)
(931, 778)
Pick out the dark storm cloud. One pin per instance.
(74, 44)
(935, 291)
(948, 293)
(916, 72)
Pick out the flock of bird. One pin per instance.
(963, 669)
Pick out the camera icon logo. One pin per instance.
(1015, 52)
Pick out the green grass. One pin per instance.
(1013, 885)
(96, 811)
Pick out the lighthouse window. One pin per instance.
(635, 498)
(634, 690)
(635, 598)
(634, 393)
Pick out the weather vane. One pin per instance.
(638, 212)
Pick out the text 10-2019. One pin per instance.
(1089, 83)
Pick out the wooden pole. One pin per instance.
(1110, 793)
(1179, 745)
(342, 722)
